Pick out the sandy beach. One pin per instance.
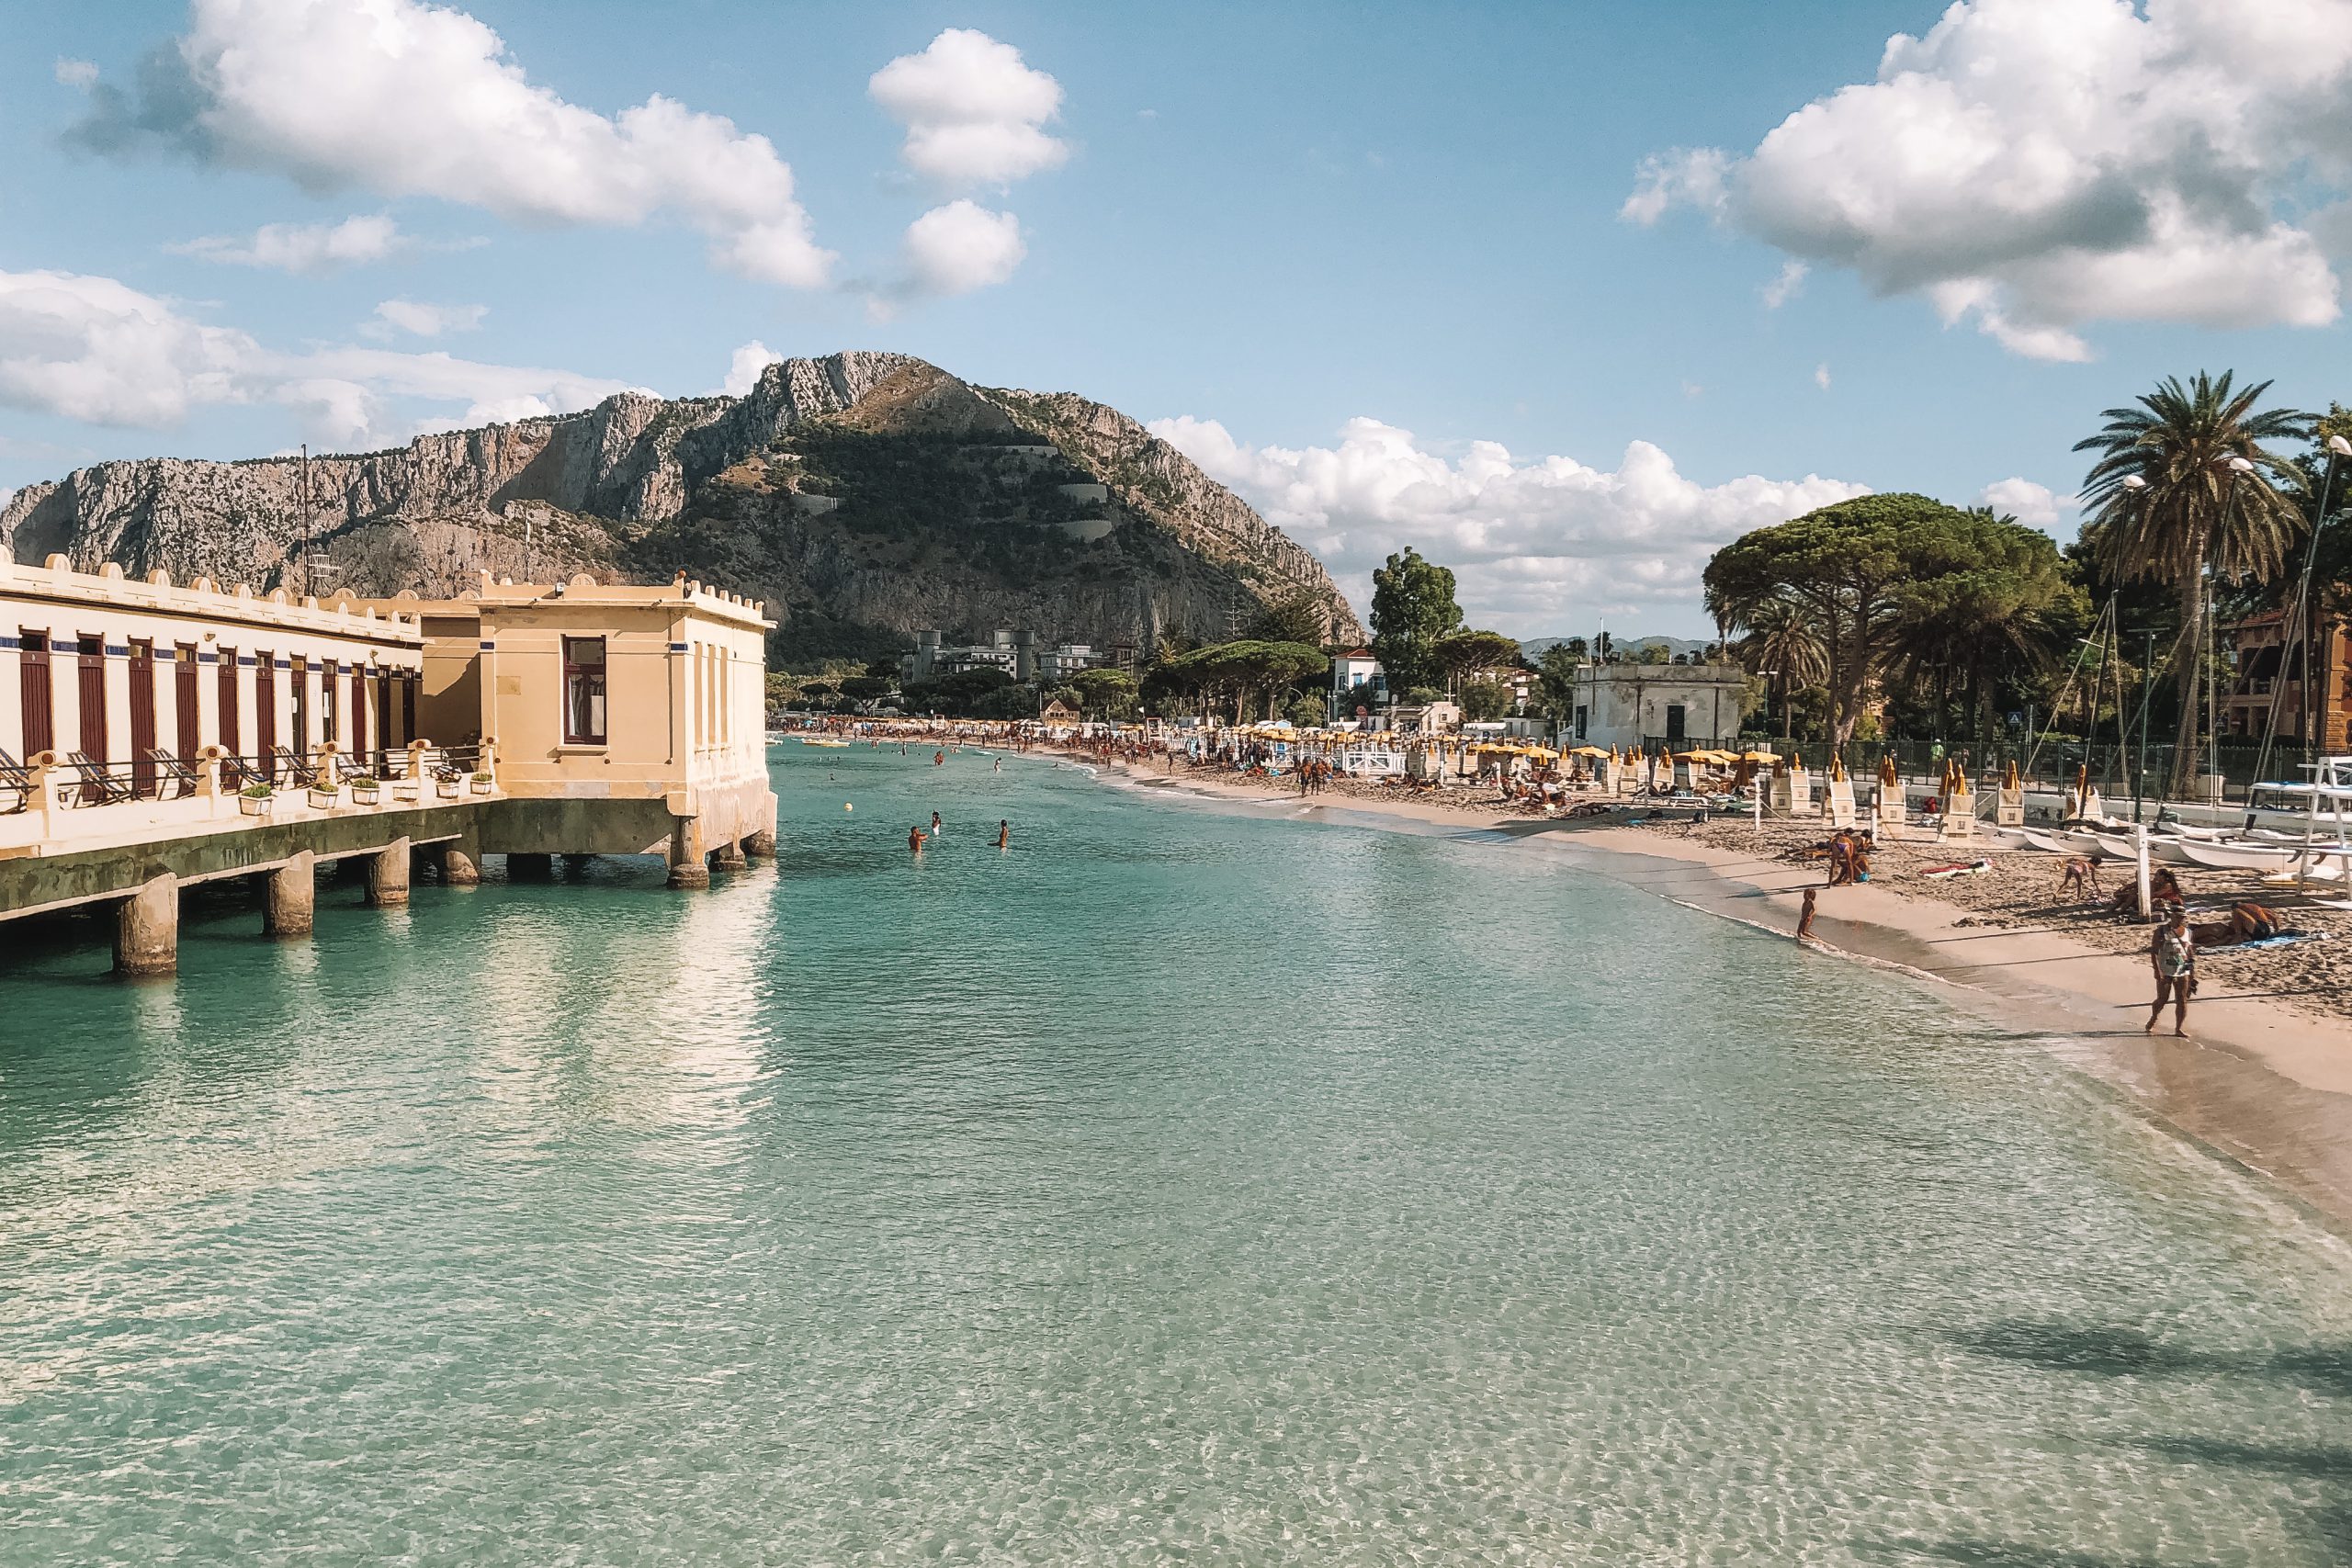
(2265, 1077)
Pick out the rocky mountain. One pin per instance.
(862, 495)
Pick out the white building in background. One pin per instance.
(1628, 704)
(1354, 668)
(1015, 653)
(1065, 660)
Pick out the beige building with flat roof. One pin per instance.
(625, 720)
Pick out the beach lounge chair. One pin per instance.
(301, 775)
(96, 787)
(16, 784)
(174, 778)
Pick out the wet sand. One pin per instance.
(2264, 1080)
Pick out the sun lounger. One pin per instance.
(175, 778)
(96, 787)
(16, 784)
(302, 774)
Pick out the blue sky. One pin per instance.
(1373, 265)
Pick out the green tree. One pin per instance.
(1848, 565)
(1556, 677)
(1484, 699)
(1783, 645)
(1412, 606)
(1461, 652)
(2183, 486)
(1302, 617)
(2000, 615)
(1106, 693)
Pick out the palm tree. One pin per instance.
(2183, 487)
(1784, 642)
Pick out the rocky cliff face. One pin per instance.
(943, 512)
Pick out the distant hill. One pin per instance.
(862, 496)
(1623, 642)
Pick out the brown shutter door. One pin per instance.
(93, 668)
(384, 710)
(232, 731)
(143, 717)
(183, 700)
(265, 713)
(41, 726)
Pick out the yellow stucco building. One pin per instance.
(625, 720)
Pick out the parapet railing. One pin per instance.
(55, 794)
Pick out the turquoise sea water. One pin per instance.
(1181, 1186)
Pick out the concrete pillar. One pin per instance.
(530, 868)
(686, 867)
(728, 856)
(290, 898)
(760, 845)
(458, 868)
(388, 876)
(147, 929)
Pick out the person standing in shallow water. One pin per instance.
(934, 824)
(1004, 833)
(914, 837)
(2172, 952)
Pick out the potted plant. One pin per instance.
(404, 790)
(365, 791)
(482, 782)
(324, 794)
(446, 787)
(253, 799)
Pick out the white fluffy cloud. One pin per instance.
(94, 349)
(974, 112)
(2035, 165)
(1536, 546)
(420, 320)
(743, 370)
(962, 246)
(78, 75)
(1787, 285)
(405, 99)
(308, 248)
(2034, 504)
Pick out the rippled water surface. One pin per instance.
(1179, 1187)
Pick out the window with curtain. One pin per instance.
(584, 691)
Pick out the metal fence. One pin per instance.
(2053, 761)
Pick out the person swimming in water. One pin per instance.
(1004, 833)
(938, 759)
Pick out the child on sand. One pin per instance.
(2173, 954)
